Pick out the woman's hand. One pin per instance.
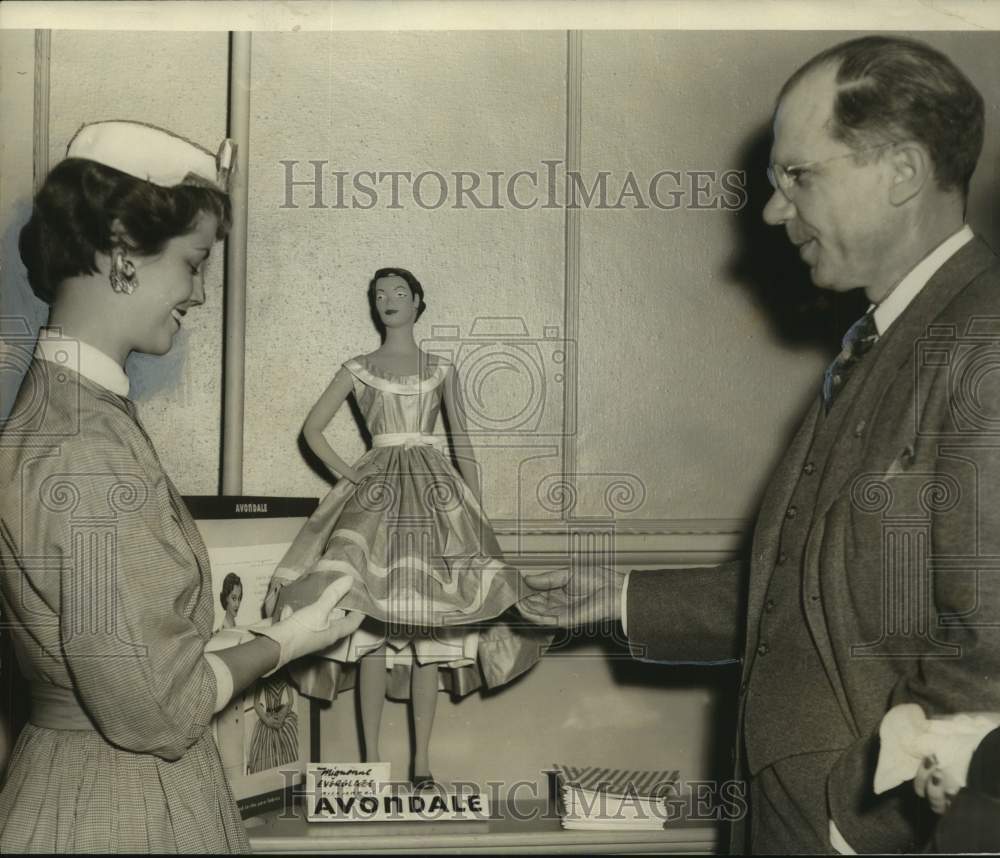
(271, 599)
(315, 626)
(937, 784)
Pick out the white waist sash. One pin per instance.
(410, 439)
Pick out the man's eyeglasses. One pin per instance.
(785, 179)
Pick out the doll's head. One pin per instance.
(377, 292)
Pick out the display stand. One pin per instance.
(507, 832)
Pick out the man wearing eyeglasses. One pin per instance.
(865, 586)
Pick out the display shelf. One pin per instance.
(507, 832)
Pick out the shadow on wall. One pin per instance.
(720, 682)
(767, 265)
(21, 313)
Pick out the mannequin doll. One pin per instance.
(410, 531)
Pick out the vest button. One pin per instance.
(860, 428)
(763, 649)
(809, 468)
(791, 512)
(769, 605)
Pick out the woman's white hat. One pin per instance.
(153, 154)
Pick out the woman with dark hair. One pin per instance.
(410, 531)
(106, 586)
(231, 596)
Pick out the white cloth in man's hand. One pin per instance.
(908, 736)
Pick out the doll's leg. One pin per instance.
(423, 693)
(372, 692)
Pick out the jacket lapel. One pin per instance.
(874, 376)
(880, 367)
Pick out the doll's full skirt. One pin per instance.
(428, 574)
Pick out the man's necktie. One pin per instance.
(860, 337)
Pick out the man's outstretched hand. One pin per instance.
(570, 598)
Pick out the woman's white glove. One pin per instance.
(313, 627)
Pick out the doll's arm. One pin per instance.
(464, 452)
(319, 418)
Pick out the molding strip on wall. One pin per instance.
(571, 295)
(40, 143)
(234, 342)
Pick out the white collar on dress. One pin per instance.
(83, 358)
(909, 287)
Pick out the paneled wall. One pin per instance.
(696, 338)
(433, 103)
(179, 81)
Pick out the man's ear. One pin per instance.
(912, 169)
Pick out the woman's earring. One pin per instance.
(123, 278)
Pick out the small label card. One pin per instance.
(363, 792)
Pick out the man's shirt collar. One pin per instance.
(909, 287)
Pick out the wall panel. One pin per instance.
(413, 102)
(178, 81)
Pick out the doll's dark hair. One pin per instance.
(72, 216)
(229, 583)
(411, 281)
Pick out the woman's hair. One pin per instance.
(412, 282)
(73, 212)
(229, 583)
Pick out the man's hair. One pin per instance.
(894, 89)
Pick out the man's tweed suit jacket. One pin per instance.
(901, 564)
